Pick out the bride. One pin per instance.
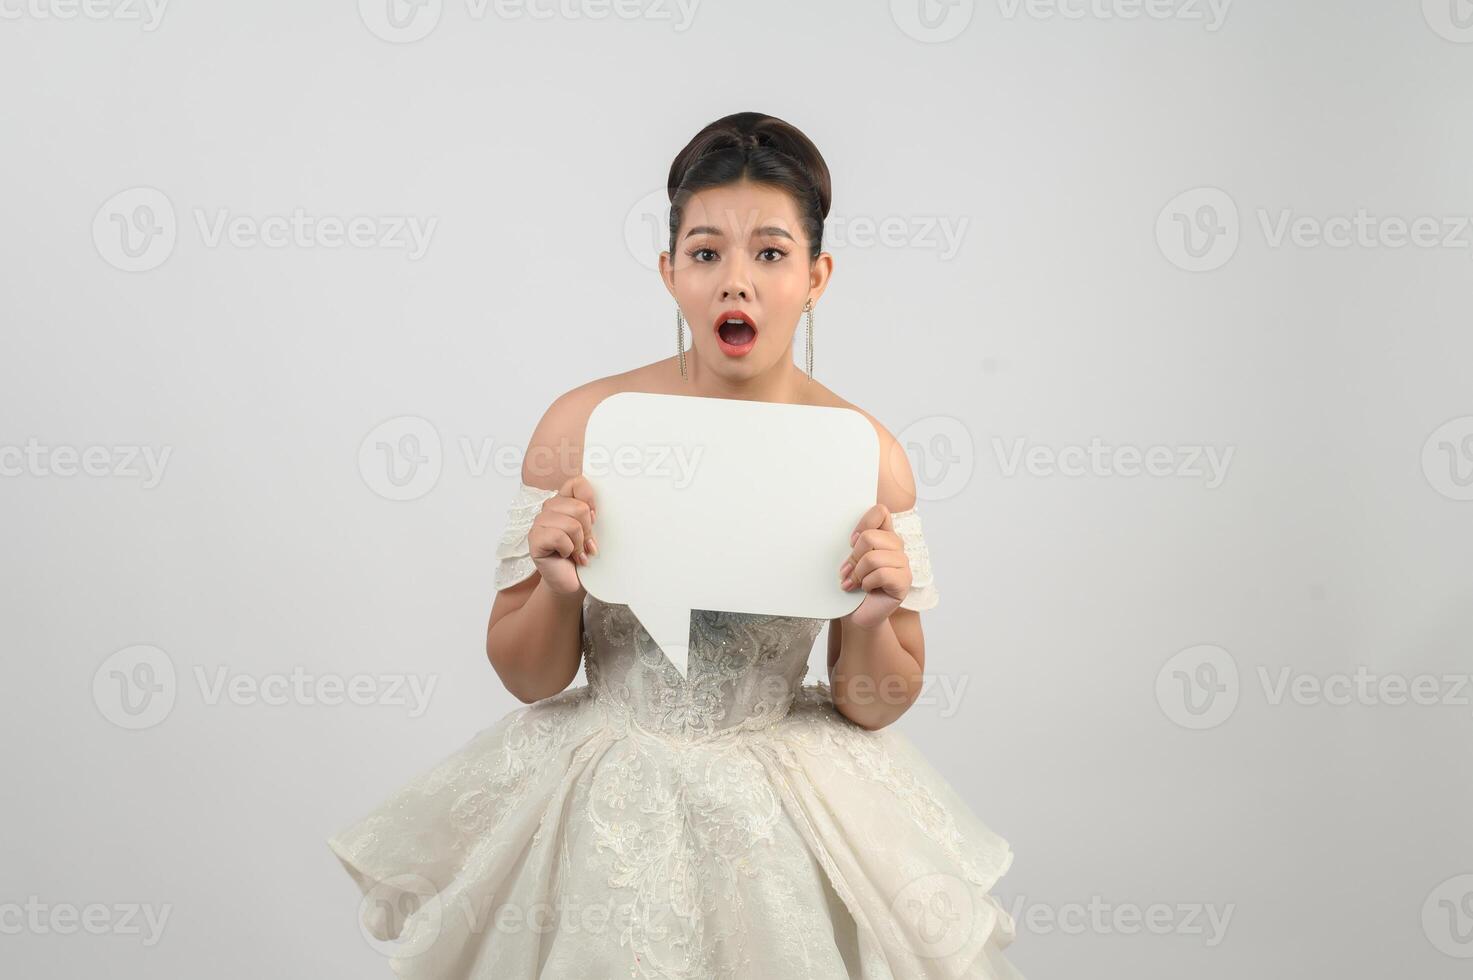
(735, 822)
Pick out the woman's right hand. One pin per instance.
(561, 536)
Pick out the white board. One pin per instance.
(724, 504)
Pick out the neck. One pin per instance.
(784, 382)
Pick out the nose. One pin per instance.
(737, 286)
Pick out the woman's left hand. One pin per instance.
(879, 565)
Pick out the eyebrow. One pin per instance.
(717, 232)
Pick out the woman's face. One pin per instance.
(742, 250)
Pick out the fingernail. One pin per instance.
(846, 583)
(592, 547)
(844, 568)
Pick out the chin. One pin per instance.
(740, 367)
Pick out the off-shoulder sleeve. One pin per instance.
(513, 555)
(923, 594)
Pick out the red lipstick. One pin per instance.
(736, 333)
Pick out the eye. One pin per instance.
(693, 253)
(780, 252)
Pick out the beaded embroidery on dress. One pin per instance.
(731, 824)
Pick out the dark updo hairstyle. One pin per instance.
(762, 149)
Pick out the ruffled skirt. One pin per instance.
(568, 841)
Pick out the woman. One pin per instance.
(735, 822)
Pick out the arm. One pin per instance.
(876, 674)
(534, 637)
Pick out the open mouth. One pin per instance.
(736, 329)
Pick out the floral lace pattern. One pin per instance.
(514, 556)
(731, 821)
(743, 673)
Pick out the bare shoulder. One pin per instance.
(557, 442)
(555, 450)
(896, 488)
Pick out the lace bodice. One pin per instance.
(744, 669)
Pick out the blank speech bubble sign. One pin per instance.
(725, 504)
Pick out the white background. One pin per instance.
(1073, 147)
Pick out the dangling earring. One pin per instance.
(680, 339)
(808, 308)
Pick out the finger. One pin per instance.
(579, 488)
(872, 539)
(877, 516)
(871, 562)
(574, 528)
(566, 537)
(549, 542)
(889, 580)
(574, 508)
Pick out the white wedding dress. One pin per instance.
(730, 824)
